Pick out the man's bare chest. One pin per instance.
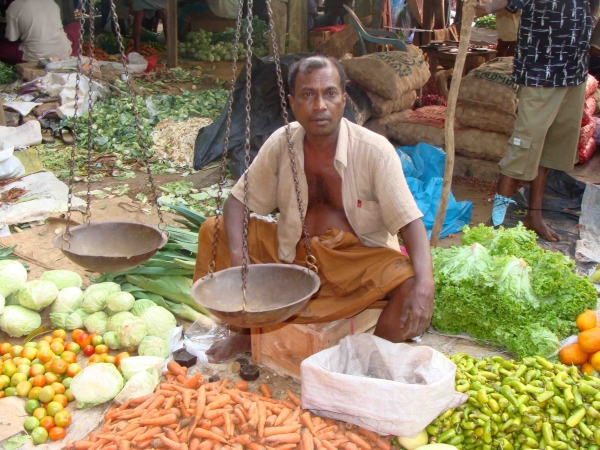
(324, 186)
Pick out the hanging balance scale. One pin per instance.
(256, 295)
(106, 247)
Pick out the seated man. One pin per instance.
(356, 200)
(34, 31)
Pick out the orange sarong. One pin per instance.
(353, 276)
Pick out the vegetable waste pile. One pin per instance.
(501, 287)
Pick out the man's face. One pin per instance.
(318, 102)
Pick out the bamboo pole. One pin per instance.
(468, 15)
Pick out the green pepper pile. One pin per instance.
(534, 404)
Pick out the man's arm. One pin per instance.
(419, 302)
(233, 214)
(12, 33)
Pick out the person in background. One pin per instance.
(333, 14)
(140, 8)
(551, 68)
(34, 31)
(507, 25)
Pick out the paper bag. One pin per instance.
(391, 389)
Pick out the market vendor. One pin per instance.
(150, 7)
(356, 201)
(551, 68)
(34, 31)
(507, 25)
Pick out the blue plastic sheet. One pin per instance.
(423, 167)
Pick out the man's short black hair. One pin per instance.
(308, 64)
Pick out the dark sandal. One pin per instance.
(47, 136)
(69, 139)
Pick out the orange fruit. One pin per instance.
(586, 320)
(573, 355)
(59, 366)
(587, 368)
(595, 361)
(589, 340)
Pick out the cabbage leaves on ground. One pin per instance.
(501, 287)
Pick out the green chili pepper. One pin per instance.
(578, 400)
(468, 425)
(482, 396)
(473, 401)
(544, 362)
(523, 399)
(507, 424)
(521, 371)
(544, 396)
(559, 380)
(487, 433)
(547, 434)
(508, 394)
(585, 430)
(506, 445)
(432, 430)
(463, 386)
(586, 389)
(530, 376)
(576, 417)
(568, 395)
(558, 401)
(446, 435)
(558, 419)
(493, 404)
(533, 389)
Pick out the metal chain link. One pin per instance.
(67, 234)
(245, 255)
(236, 43)
(310, 259)
(162, 224)
(90, 122)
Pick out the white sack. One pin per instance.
(391, 389)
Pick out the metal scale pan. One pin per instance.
(275, 292)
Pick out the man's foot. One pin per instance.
(536, 223)
(226, 348)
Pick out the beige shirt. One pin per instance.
(507, 25)
(38, 24)
(376, 198)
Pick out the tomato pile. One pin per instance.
(94, 347)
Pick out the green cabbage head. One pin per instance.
(17, 321)
(62, 278)
(69, 300)
(37, 294)
(119, 302)
(159, 320)
(12, 277)
(96, 322)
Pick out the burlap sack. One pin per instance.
(491, 84)
(427, 125)
(381, 107)
(483, 118)
(380, 125)
(388, 74)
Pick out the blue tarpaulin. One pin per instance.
(423, 167)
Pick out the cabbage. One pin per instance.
(107, 286)
(2, 304)
(75, 319)
(62, 278)
(69, 299)
(37, 294)
(114, 323)
(97, 383)
(59, 320)
(17, 321)
(153, 346)
(131, 366)
(12, 299)
(96, 323)
(140, 305)
(111, 340)
(95, 300)
(132, 331)
(159, 320)
(119, 302)
(12, 277)
(139, 385)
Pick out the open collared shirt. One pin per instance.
(553, 42)
(376, 198)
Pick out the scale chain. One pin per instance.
(236, 43)
(89, 170)
(245, 251)
(67, 234)
(310, 259)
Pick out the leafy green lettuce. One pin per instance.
(501, 287)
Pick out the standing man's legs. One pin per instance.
(545, 137)
(138, 18)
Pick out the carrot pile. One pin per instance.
(145, 50)
(99, 54)
(185, 413)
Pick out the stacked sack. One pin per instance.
(587, 143)
(390, 79)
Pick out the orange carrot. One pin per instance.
(241, 385)
(82, 445)
(193, 382)
(262, 418)
(186, 398)
(205, 424)
(156, 403)
(172, 445)
(228, 426)
(175, 368)
(271, 431)
(129, 436)
(254, 446)
(337, 443)
(351, 446)
(218, 422)
(283, 415)
(195, 444)
(383, 444)
(328, 445)
(355, 438)
(218, 431)
(181, 379)
(239, 414)
(124, 445)
(319, 426)
(368, 434)
(264, 389)
(293, 397)
(144, 444)
(288, 404)
(307, 440)
(243, 439)
(204, 434)
(160, 421)
(291, 438)
(170, 402)
(220, 402)
(285, 447)
(205, 445)
(148, 434)
(294, 417)
(306, 421)
(172, 435)
(328, 436)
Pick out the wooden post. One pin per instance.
(427, 21)
(172, 33)
(298, 29)
(279, 9)
(463, 47)
(439, 14)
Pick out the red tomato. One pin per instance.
(47, 422)
(84, 340)
(57, 433)
(89, 350)
(76, 333)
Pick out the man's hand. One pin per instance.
(417, 309)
